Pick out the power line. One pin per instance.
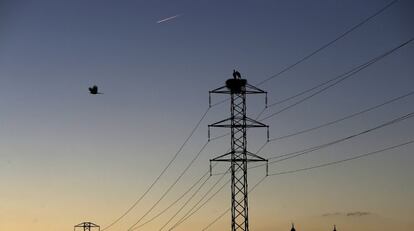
(201, 206)
(162, 172)
(334, 142)
(228, 210)
(318, 147)
(291, 155)
(346, 75)
(188, 200)
(177, 200)
(315, 167)
(186, 217)
(217, 218)
(182, 207)
(284, 70)
(192, 211)
(343, 118)
(343, 160)
(339, 79)
(323, 48)
(169, 189)
(308, 150)
(349, 137)
(399, 119)
(306, 57)
(160, 175)
(219, 102)
(329, 43)
(328, 123)
(159, 214)
(337, 120)
(343, 77)
(305, 91)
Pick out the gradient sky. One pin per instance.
(68, 157)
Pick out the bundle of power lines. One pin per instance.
(307, 94)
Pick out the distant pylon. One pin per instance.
(87, 226)
(238, 156)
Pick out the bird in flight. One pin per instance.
(94, 90)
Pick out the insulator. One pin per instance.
(267, 168)
(268, 133)
(211, 169)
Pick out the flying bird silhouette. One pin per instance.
(94, 90)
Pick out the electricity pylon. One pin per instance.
(238, 156)
(87, 226)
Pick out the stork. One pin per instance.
(236, 74)
(94, 90)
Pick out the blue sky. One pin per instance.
(63, 150)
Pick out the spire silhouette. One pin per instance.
(293, 227)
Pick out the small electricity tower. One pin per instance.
(238, 156)
(87, 226)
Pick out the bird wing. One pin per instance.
(238, 74)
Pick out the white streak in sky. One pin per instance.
(169, 18)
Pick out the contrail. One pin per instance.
(169, 18)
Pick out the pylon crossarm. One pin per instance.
(238, 160)
(220, 90)
(255, 123)
(221, 156)
(89, 224)
(237, 126)
(220, 123)
(259, 158)
(250, 89)
(252, 123)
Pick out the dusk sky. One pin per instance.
(67, 156)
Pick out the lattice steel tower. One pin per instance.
(238, 156)
(87, 226)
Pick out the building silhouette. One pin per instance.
(293, 227)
